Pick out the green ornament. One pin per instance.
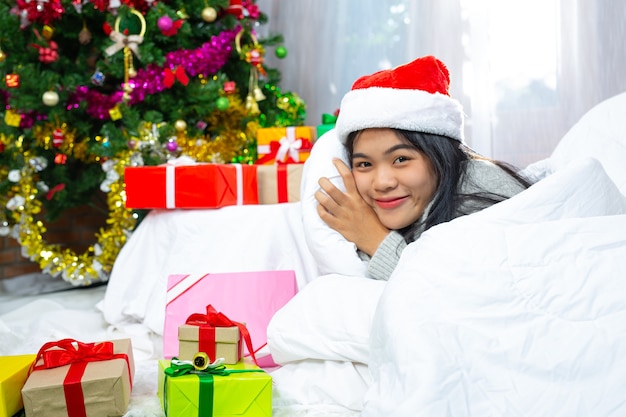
(280, 52)
(222, 103)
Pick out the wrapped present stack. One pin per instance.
(184, 184)
(210, 364)
(205, 186)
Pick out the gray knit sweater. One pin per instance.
(482, 176)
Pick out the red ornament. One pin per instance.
(12, 80)
(106, 28)
(60, 159)
(48, 55)
(58, 137)
(40, 11)
(229, 87)
(235, 8)
(173, 30)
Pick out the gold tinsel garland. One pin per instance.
(79, 269)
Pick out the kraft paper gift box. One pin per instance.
(216, 342)
(13, 374)
(72, 378)
(279, 183)
(241, 394)
(284, 145)
(245, 297)
(194, 186)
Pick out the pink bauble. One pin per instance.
(172, 146)
(165, 23)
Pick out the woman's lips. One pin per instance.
(390, 203)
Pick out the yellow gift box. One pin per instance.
(247, 392)
(13, 375)
(284, 145)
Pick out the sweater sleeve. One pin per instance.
(386, 257)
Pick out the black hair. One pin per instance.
(449, 160)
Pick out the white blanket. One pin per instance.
(515, 310)
(525, 315)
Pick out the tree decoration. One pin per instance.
(280, 52)
(209, 14)
(124, 94)
(253, 54)
(50, 98)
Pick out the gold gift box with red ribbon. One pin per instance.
(72, 378)
(285, 145)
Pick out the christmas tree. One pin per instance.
(91, 86)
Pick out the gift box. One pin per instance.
(243, 297)
(328, 123)
(241, 390)
(72, 378)
(190, 186)
(13, 374)
(284, 145)
(211, 333)
(279, 183)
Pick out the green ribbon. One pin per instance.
(205, 394)
(329, 119)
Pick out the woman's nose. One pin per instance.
(384, 179)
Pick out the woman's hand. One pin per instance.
(348, 213)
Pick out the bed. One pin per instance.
(519, 309)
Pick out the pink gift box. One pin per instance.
(246, 297)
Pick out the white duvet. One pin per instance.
(516, 310)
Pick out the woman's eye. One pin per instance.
(361, 164)
(402, 159)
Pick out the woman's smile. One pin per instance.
(390, 203)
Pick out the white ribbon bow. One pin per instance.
(121, 41)
(289, 145)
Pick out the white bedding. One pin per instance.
(515, 310)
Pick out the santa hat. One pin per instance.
(413, 96)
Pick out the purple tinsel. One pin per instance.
(206, 60)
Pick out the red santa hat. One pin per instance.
(413, 96)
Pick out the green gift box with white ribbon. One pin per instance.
(242, 390)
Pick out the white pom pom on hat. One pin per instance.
(412, 96)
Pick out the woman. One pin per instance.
(410, 169)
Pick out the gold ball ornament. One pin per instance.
(209, 14)
(180, 125)
(3, 56)
(50, 98)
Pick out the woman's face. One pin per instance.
(392, 176)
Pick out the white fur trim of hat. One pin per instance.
(413, 97)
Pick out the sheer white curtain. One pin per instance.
(525, 71)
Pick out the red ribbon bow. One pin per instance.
(171, 76)
(71, 351)
(213, 318)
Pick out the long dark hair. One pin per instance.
(449, 159)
